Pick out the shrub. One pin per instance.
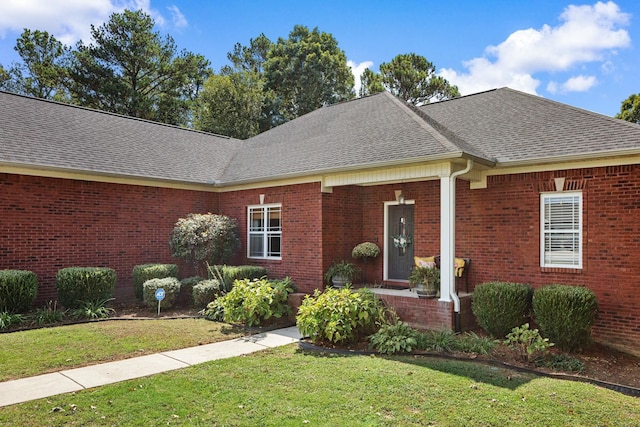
(144, 272)
(214, 311)
(394, 338)
(228, 274)
(205, 292)
(565, 314)
(527, 343)
(252, 302)
(500, 306)
(171, 286)
(561, 362)
(77, 285)
(366, 250)
(340, 315)
(200, 238)
(186, 290)
(18, 290)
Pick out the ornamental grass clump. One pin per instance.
(18, 290)
(501, 306)
(565, 315)
(340, 316)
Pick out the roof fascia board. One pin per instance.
(448, 157)
(104, 177)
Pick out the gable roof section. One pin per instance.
(518, 128)
(364, 133)
(48, 135)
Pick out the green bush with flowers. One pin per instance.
(365, 250)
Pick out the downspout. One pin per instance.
(452, 209)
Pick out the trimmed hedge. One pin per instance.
(186, 290)
(171, 286)
(205, 292)
(144, 272)
(231, 273)
(18, 289)
(78, 285)
(565, 314)
(501, 306)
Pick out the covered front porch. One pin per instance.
(376, 203)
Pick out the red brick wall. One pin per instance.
(499, 229)
(301, 231)
(422, 313)
(47, 224)
(341, 224)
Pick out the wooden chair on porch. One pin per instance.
(461, 268)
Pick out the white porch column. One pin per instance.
(447, 236)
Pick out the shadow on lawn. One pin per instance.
(478, 371)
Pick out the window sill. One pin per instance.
(561, 270)
(263, 259)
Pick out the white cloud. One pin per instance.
(179, 20)
(68, 20)
(586, 34)
(357, 70)
(574, 84)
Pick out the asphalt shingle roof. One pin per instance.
(500, 127)
(513, 126)
(39, 133)
(361, 133)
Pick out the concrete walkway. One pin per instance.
(25, 389)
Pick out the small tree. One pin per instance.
(201, 238)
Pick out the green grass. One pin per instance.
(39, 351)
(286, 387)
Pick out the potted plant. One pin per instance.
(366, 251)
(426, 280)
(340, 273)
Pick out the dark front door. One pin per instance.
(400, 242)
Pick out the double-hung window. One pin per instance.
(265, 231)
(561, 230)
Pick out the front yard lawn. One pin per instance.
(38, 351)
(287, 387)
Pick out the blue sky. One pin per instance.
(577, 52)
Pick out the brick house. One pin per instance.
(530, 190)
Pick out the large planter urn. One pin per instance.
(339, 281)
(427, 289)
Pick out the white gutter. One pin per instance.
(450, 259)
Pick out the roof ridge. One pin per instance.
(110, 113)
(452, 141)
(410, 110)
